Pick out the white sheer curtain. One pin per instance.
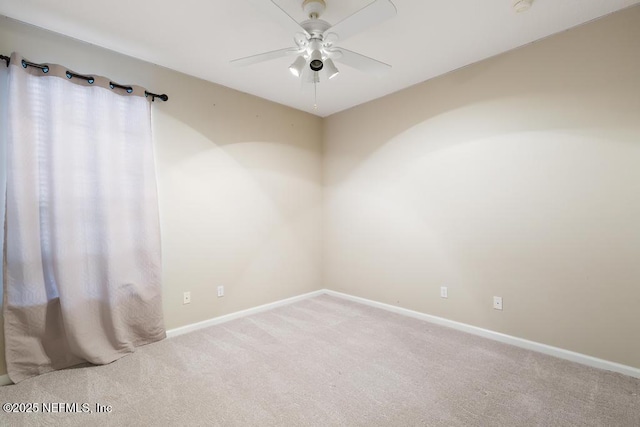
(82, 230)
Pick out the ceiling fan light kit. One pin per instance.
(315, 39)
(297, 66)
(315, 60)
(331, 68)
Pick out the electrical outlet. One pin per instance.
(497, 303)
(186, 298)
(444, 293)
(220, 291)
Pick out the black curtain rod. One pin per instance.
(89, 79)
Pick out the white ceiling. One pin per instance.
(199, 37)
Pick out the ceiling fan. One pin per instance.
(315, 39)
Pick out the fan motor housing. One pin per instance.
(315, 27)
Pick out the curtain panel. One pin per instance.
(83, 261)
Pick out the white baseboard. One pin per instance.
(4, 380)
(238, 314)
(497, 336)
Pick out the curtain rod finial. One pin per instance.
(153, 96)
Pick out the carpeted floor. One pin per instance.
(328, 362)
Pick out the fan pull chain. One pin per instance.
(315, 94)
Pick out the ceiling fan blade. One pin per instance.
(276, 13)
(267, 56)
(368, 16)
(361, 62)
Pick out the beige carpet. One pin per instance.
(329, 362)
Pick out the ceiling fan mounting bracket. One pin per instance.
(313, 8)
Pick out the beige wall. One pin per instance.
(518, 176)
(239, 183)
